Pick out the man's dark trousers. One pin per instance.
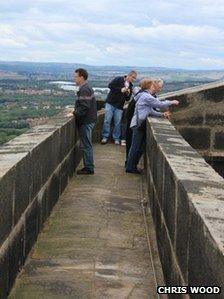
(136, 150)
(85, 133)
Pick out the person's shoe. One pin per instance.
(85, 171)
(135, 171)
(104, 140)
(123, 142)
(117, 142)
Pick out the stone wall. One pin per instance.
(186, 198)
(97, 132)
(200, 117)
(34, 170)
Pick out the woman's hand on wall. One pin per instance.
(167, 114)
(175, 102)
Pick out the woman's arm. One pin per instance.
(156, 103)
(156, 113)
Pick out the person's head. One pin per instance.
(146, 84)
(80, 76)
(151, 84)
(131, 77)
(158, 84)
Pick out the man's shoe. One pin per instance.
(104, 140)
(135, 171)
(117, 142)
(123, 142)
(85, 171)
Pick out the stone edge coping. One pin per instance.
(191, 90)
(18, 148)
(203, 185)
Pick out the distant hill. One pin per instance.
(64, 71)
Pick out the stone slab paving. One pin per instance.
(94, 244)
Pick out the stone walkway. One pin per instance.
(94, 244)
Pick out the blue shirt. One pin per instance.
(145, 103)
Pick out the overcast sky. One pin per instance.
(168, 33)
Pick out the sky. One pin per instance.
(159, 33)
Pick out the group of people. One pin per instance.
(129, 121)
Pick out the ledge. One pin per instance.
(187, 200)
(34, 170)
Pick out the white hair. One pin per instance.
(158, 81)
(135, 90)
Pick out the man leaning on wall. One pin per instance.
(86, 115)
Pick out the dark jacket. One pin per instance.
(115, 97)
(85, 106)
(131, 108)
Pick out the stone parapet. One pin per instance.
(186, 198)
(200, 117)
(34, 170)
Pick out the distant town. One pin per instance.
(30, 93)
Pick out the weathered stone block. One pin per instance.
(169, 202)
(6, 205)
(97, 132)
(219, 140)
(4, 274)
(198, 138)
(64, 142)
(183, 99)
(46, 154)
(158, 175)
(188, 120)
(43, 204)
(53, 191)
(182, 230)
(71, 134)
(153, 199)
(206, 263)
(157, 218)
(71, 164)
(214, 119)
(160, 238)
(56, 149)
(152, 153)
(16, 254)
(214, 94)
(63, 175)
(150, 189)
(32, 221)
(22, 187)
(77, 155)
(170, 269)
(36, 168)
(196, 120)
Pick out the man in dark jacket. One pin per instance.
(86, 116)
(120, 91)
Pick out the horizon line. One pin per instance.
(111, 65)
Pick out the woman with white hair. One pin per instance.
(145, 106)
(128, 116)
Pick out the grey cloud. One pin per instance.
(159, 32)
